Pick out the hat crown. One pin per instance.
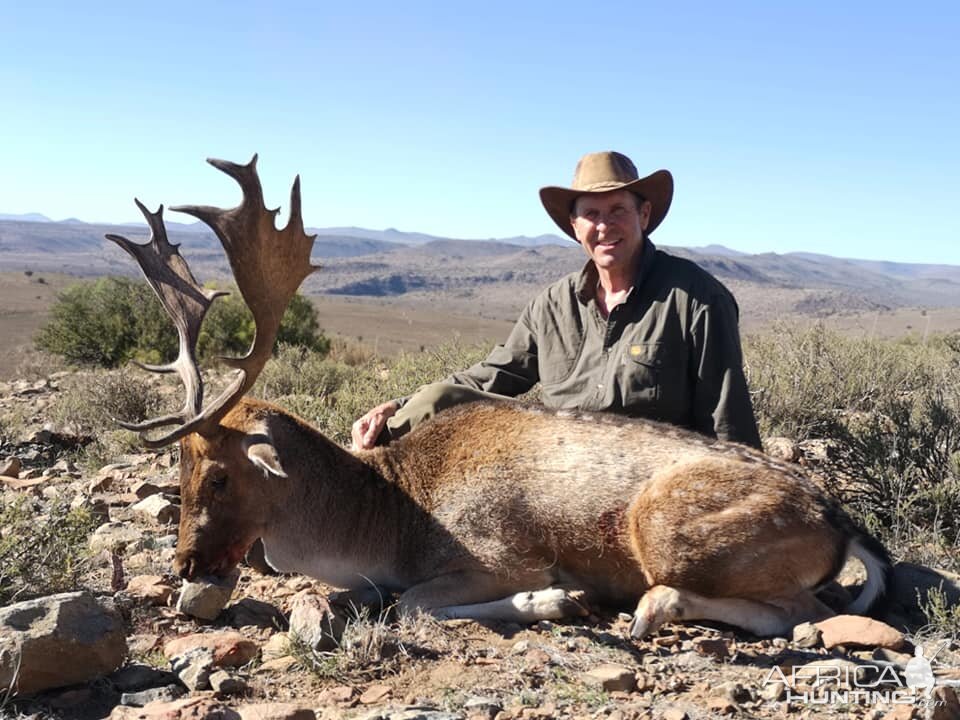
(603, 170)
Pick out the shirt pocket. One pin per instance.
(653, 383)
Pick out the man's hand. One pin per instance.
(367, 429)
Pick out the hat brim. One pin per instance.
(656, 187)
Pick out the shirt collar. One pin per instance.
(587, 280)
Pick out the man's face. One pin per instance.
(610, 228)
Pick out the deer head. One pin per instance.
(221, 440)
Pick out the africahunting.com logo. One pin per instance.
(873, 682)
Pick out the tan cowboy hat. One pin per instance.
(603, 172)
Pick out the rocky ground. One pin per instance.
(136, 642)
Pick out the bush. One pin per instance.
(332, 394)
(41, 552)
(109, 321)
(105, 322)
(891, 409)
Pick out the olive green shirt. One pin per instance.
(670, 351)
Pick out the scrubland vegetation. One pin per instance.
(878, 419)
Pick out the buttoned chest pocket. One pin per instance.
(654, 383)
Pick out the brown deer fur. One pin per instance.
(484, 509)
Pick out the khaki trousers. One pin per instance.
(427, 402)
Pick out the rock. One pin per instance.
(191, 708)
(11, 467)
(225, 683)
(782, 448)
(277, 646)
(315, 622)
(206, 597)
(150, 589)
(482, 706)
(115, 536)
(857, 631)
(143, 489)
(806, 635)
(229, 649)
(194, 668)
(140, 677)
(675, 714)
(154, 695)
(59, 640)
(374, 694)
(158, 508)
(255, 612)
(712, 647)
(773, 692)
(26, 483)
(275, 711)
(338, 694)
(277, 665)
(611, 677)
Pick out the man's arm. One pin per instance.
(721, 400)
(510, 369)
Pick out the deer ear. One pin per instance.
(260, 451)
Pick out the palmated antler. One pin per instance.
(268, 264)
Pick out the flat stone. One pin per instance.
(611, 677)
(258, 613)
(712, 647)
(140, 677)
(158, 508)
(857, 631)
(206, 597)
(23, 484)
(229, 649)
(374, 694)
(225, 683)
(190, 708)
(150, 589)
(143, 489)
(163, 694)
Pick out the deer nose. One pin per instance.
(186, 567)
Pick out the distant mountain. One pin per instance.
(377, 263)
(28, 217)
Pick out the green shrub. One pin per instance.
(332, 394)
(109, 321)
(105, 322)
(92, 402)
(892, 410)
(41, 551)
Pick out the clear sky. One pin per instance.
(828, 127)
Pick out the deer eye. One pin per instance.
(219, 482)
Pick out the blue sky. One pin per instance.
(824, 127)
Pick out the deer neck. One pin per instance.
(345, 518)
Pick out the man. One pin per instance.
(637, 331)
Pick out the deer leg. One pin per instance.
(449, 597)
(662, 604)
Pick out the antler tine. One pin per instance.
(185, 302)
(268, 265)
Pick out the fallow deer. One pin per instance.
(488, 511)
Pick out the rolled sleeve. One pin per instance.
(511, 368)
